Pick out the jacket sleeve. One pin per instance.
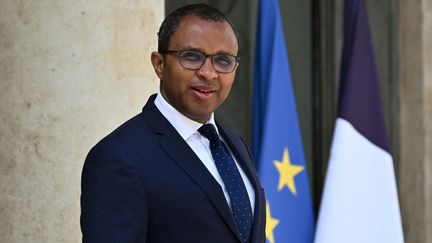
(113, 201)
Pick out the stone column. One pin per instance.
(415, 169)
(70, 72)
(427, 99)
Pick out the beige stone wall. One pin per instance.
(427, 96)
(415, 169)
(70, 72)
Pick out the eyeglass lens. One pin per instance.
(195, 60)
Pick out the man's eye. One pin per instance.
(191, 56)
(223, 60)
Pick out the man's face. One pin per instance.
(196, 93)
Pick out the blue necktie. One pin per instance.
(227, 168)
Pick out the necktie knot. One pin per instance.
(209, 131)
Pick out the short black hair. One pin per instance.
(200, 10)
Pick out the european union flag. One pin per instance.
(277, 144)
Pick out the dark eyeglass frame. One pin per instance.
(180, 52)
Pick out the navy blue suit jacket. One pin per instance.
(143, 183)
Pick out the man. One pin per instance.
(171, 173)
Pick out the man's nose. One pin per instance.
(207, 70)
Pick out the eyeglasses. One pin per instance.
(194, 60)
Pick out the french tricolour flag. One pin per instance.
(360, 200)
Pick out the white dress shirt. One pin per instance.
(188, 130)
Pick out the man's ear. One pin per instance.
(158, 64)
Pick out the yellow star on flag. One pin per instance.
(287, 172)
(271, 223)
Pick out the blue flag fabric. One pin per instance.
(277, 144)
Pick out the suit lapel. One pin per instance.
(243, 157)
(188, 161)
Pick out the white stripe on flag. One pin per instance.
(360, 202)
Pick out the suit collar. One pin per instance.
(187, 160)
(175, 146)
(156, 120)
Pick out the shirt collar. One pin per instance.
(185, 126)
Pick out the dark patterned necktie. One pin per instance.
(227, 168)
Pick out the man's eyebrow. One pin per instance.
(225, 53)
(188, 48)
